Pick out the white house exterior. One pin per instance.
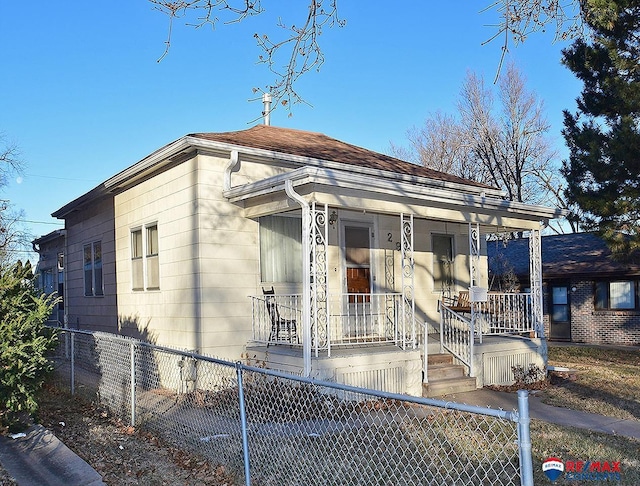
(357, 246)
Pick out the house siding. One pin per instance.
(208, 260)
(84, 227)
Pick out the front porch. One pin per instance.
(357, 267)
(367, 341)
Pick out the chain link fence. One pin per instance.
(270, 428)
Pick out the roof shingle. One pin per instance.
(319, 146)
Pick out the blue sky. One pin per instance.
(84, 97)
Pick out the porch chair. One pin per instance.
(282, 330)
(459, 303)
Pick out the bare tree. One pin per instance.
(521, 18)
(501, 141)
(13, 236)
(294, 49)
(292, 52)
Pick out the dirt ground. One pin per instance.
(121, 454)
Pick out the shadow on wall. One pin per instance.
(132, 327)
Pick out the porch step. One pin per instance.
(445, 378)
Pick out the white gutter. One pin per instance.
(306, 275)
(347, 180)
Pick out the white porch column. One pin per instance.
(535, 282)
(306, 276)
(474, 263)
(408, 298)
(319, 268)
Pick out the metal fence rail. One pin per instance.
(272, 428)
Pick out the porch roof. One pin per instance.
(366, 192)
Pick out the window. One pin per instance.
(281, 249)
(145, 267)
(618, 295)
(93, 269)
(442, 248)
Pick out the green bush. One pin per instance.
(24, 342)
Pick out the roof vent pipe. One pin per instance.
(266, 99)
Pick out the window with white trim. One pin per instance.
(145, 266)
(92, 265)
(617, 295)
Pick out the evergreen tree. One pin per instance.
(24, 342)
(603, 170)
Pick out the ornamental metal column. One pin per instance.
(408, 299)
(535, 282)
(474, 263)
(319, 304)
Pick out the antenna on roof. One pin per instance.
(266, 113)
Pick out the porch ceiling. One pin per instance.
(360, 192)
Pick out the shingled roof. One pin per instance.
(563, 256)
(319, 146)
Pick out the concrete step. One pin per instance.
(445, 387)
(444, 371)
(439, 358)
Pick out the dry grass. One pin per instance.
(607, 381)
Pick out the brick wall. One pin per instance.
(589, 325)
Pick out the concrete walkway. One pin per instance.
(40, 459)
(556, 415)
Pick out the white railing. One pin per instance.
(504, 313)
(352, 320)
(457, 336)
(365, 319)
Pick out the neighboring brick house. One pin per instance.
(588, 297)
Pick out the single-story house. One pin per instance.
(50, 270)
(588, 297)
(301, 252)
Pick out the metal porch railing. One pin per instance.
(352, 320)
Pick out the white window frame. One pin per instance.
(97, 288)
(149, 261)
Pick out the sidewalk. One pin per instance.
(556, 415)
(40, 459)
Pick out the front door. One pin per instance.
(357, 320)
(559, 313)
(357, 251)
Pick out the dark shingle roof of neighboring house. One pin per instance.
(563, 256)
(319, 146)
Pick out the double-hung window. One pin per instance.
(145, 268)
(92, 264)
(617, 295)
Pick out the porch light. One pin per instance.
(333, 217)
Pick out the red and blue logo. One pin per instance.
(582, 470)
(553, 468)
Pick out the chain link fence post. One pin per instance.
(243, 425)
(73, 362)
(524, 439)
(133, 383)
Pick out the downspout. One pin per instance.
(306, 275)
(233, 161)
